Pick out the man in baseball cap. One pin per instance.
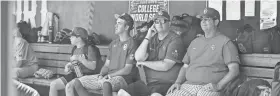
(162, 14)
(210, 63)
(79, 31)
(120, 61)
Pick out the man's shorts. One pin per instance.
(67, 78)
(139, 88)
(194, 90)
(91, 82)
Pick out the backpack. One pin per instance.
(62, 37)
(253, 87)
(276, 81)
(99, 62)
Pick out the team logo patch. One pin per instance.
(175, 53)
(131, 56)
(114, 45)
(124, 46)
(205, 11)
(213, 47)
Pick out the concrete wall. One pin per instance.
(74, 13)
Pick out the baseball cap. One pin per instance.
(79, 31)
(127, 18)
(162, 14)
(211, 13)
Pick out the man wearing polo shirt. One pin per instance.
(117, 69)
(160, 54)
(210, 63)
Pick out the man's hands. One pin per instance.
(67, 68)
(212, 87)
(175, 86)
(151, 32)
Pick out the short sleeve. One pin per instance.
(110, 49)
(93, 54)
(175, 50)
(130, 59)
(186, 59)
(230, 53)
(21, 51)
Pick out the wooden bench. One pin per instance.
(54, 57)
(259, 66)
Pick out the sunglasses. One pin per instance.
(162, 21)
(180, 17)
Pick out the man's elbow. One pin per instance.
(139, 57)
(93, 67)
(234, 69)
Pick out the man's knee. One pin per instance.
(77, 83)
(156, 94)
(69, 85)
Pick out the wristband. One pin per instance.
(147, 39)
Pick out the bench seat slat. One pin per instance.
(259, 60)
(37, 81)
(52, 56)
(52, 48)
(52, 63)
(257, 72)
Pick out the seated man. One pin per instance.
(210, 63)
(159, 56)
(26, 61)
(87, 56)
(118, 67)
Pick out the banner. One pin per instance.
(268, 14)
(145, 10)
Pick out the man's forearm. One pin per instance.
(89, 64)
(120, 72)
(18, 63)
(104, 70)
(228, 77)
(182, 75)
(140, 53)
(156, 65)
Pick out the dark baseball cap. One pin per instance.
(129, 20)
(162, 14)
(79, 31)
(210, 13)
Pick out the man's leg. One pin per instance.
(56, 85)
(205, 91)
(186, 90)
(107, 89)
(138, 88)
(69, 89)
(78, 87)
(160, 88)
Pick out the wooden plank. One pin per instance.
(269, 80)
(56, 70)
(52, 63)
(260, 60)
(52, 48)
(37, 81)
(63, 57)
(257, 72)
